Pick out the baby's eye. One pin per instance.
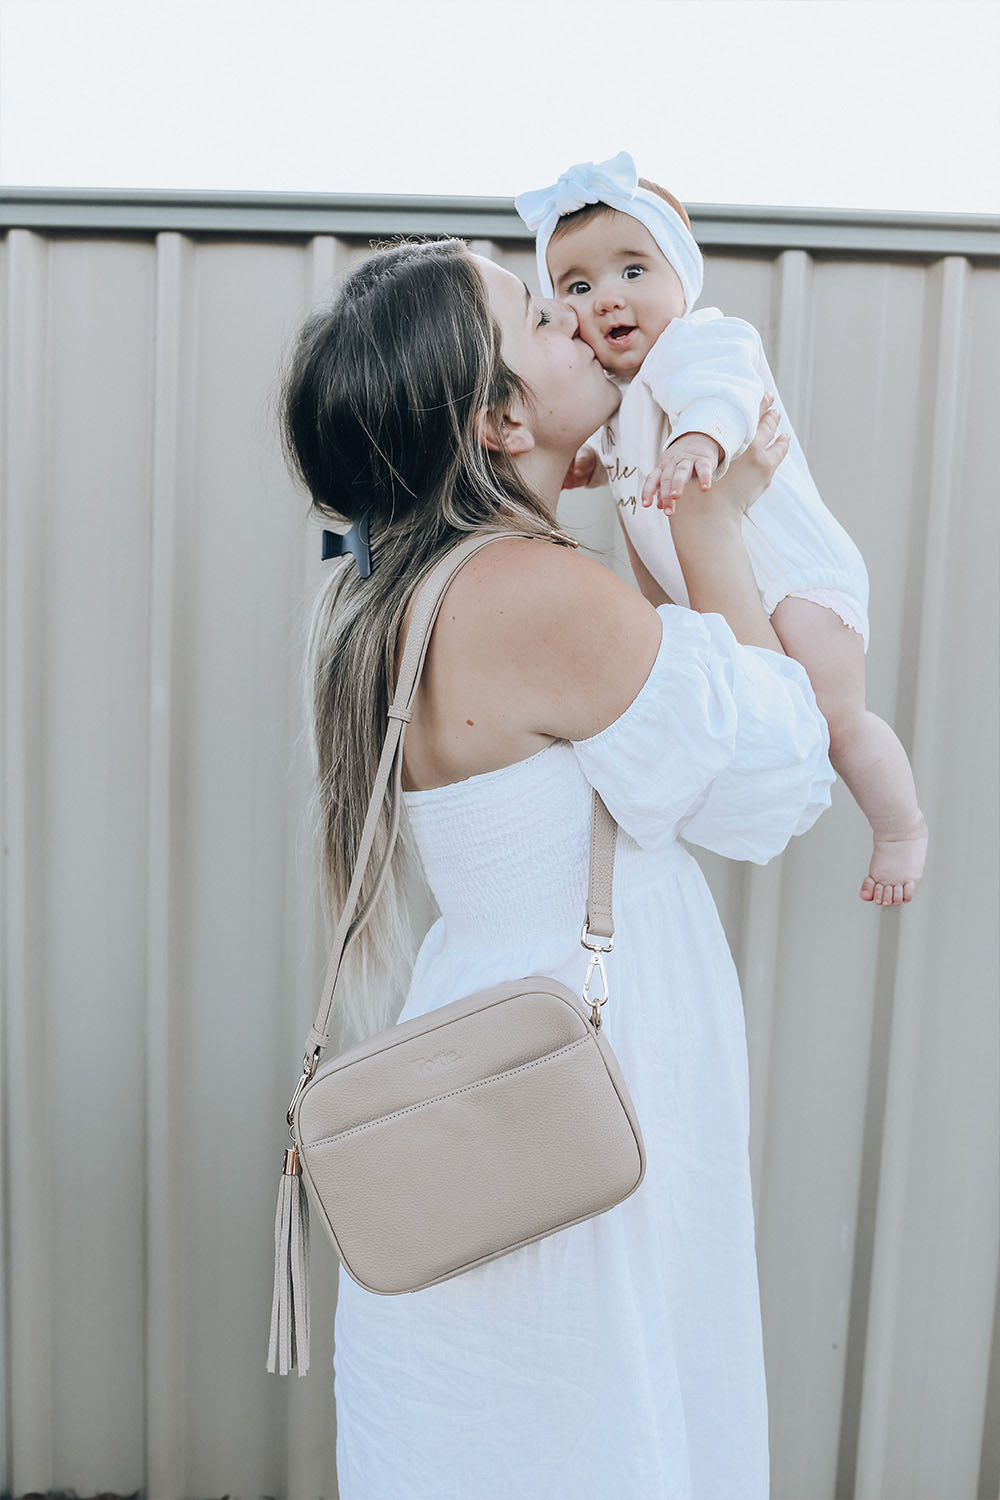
(577, 288)
(543, 318)
(631, 273)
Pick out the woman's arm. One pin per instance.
(719, 577)
(706, 529)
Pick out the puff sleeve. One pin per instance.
(723, 746)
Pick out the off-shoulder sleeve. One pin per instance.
(723, 746)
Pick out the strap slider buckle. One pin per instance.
(594, 943)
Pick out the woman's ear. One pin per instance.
(513, 436)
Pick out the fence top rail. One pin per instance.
(302, 215)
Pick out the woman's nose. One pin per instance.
(564, 317)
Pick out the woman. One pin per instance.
(620, 1359)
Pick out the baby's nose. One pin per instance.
(607, 298)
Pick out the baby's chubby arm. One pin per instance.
(703, 373)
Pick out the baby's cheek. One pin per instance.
(600, 350)
(592, 340)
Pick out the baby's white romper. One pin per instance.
(707, 373)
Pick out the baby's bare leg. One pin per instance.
(863, 748)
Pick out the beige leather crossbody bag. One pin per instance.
(457, 1137)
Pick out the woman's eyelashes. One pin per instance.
(543, 318)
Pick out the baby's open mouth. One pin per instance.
(620, 333)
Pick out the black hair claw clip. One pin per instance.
(355, 542)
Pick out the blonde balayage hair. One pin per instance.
(381, 412)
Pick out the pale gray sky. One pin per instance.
(876, 104)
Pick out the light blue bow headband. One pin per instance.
(616, 183)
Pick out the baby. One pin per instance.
(619, 251)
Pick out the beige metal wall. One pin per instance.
(161, 948)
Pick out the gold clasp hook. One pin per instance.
(595, 1003)
(309, 1065)
(596, 947)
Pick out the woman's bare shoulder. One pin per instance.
(577, 641)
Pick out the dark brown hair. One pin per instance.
(380, 416)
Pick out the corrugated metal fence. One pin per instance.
(161, 942)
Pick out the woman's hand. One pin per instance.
(582, 470)
(745, 480)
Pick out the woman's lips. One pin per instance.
(620, 337)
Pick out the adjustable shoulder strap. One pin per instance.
(388, 777)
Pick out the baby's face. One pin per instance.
(615, 277)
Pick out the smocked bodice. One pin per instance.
(506, 852)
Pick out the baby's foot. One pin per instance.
(896, 867)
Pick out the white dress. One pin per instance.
(620, 1359)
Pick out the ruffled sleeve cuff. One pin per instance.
(723, 745)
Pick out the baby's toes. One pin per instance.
(909, 886)
(867, 891)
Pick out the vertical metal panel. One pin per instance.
(240, 558)
(172, 361)
(7, 973)
(94, 757)
(934, 1259)
(162, 941)
(27, 1221)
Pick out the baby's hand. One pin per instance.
(582, 470)
(693, 452)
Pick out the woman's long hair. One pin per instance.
(380, 418)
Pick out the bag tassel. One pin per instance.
(289, 1345)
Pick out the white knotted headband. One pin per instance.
(616, 183)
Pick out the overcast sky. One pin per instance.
(874, 104)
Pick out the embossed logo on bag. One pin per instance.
(439, 1060)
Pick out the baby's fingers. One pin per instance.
(679, 478)
(651, 488)
(704, 470)
(666, 502)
